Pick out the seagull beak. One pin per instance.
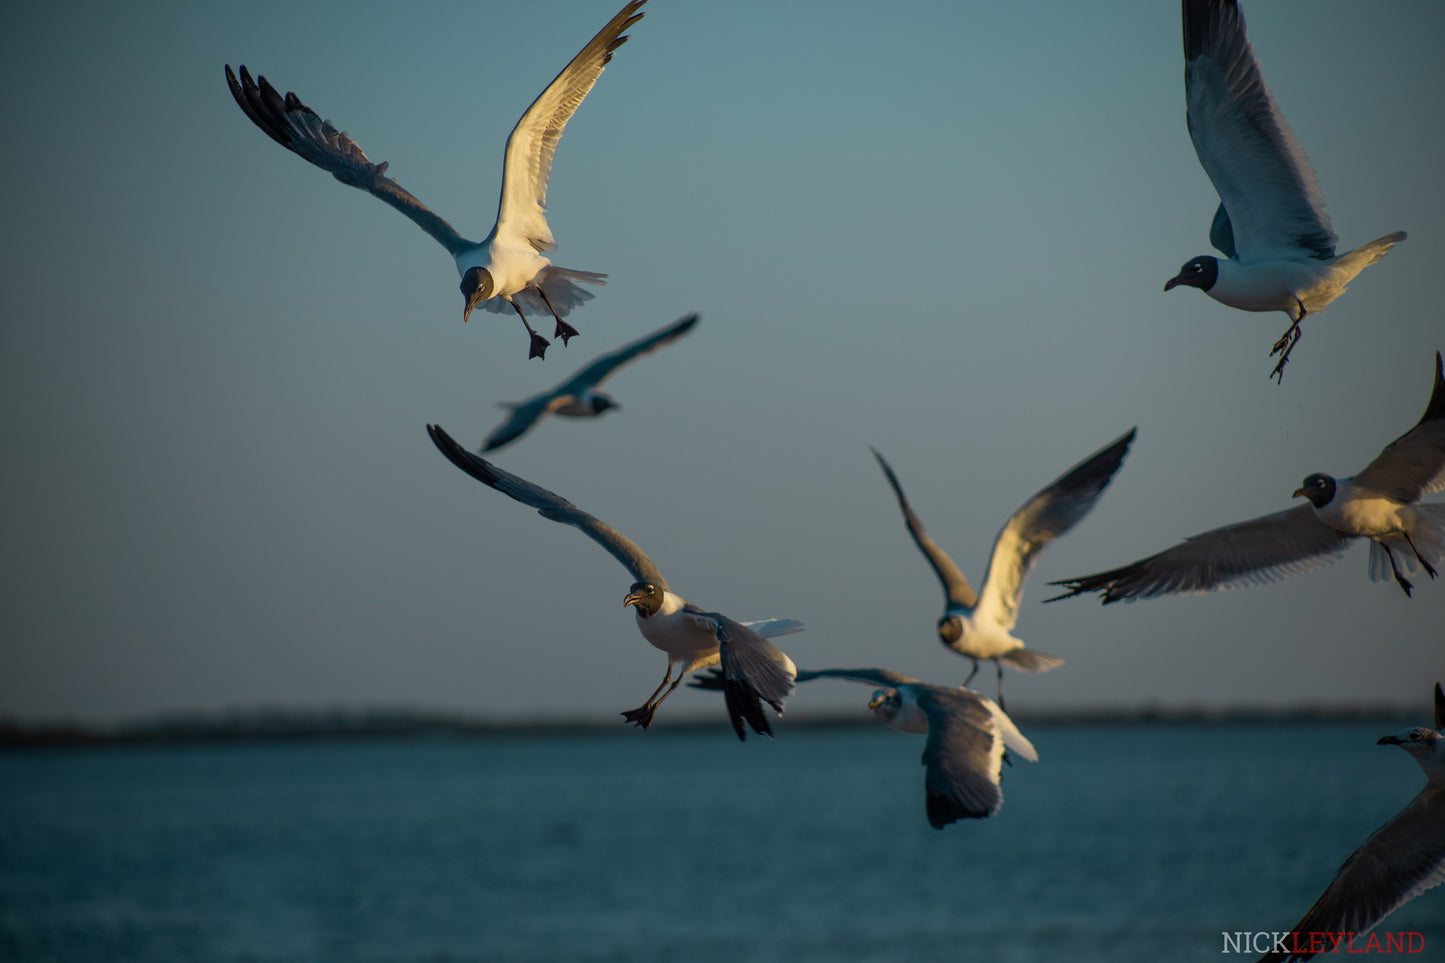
(1174, 282)
(1298, 493)
(1388, 741)
(472, 302)
(631, 599)
(875, 702)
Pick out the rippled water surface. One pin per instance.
(1126, 842)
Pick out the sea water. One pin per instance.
(1123, 843)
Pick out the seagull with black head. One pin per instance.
(753, 670)
(1271, 225)
(507, 270)
(1381, 503)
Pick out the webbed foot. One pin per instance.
(538, 348)
(564, 331)
(641, 716)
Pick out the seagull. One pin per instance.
(578, 397)
(1403, 858)
(979, 624)
(507, 270)
(753, 670)
(1271, 225)
(1381, 503)
(967, 736)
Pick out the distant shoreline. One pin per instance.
(288, 725)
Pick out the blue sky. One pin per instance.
(936, 228)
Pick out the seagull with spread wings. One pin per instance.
(967, 737)
(753, 670)
(1401, 860)
(979, 625)
(507, 270)
(1271, 225)
(578, 397)
(1381, 503)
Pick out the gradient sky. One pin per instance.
(937, 228)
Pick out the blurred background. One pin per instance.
(940, 229)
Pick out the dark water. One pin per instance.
(1124, 843)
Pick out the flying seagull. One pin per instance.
(1271, 225)
(753, 670)
(979, 624)
(1403, 858)
(967, 736)
(507, 270)
(1381, 503)
(578, 397)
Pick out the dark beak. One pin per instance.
(1388, 741)
(1174, 282)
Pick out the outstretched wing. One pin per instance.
(884, 678)
(1270, 198)
(520, 420)
(1249, 553)
(1043, 518)
(522, 212)
(1403, 858)
(299, 129)
(1413, 464)
(550, 506)
(602, 368)
(956, 589)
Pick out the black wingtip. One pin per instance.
(474, 465)
(1435, 410)
(1072, 592)
(1204, 21)
(745, 705)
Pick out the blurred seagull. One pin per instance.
(578, 397)
(507, 270)
(753, 670)
(1403, 858)
(967, 736)
(979, 625)
(1271, 224)
(1381, 503)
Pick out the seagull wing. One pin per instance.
(1271, 201)
(1403, 858)
(964, 753)
(955, 587)
(523, 416)
(883, 678)
(1413, 464)
(1249, 553)
(753, 671)
(1043, 518)
(300, 130)
(600, 369)
(522, 212)
(550, 506)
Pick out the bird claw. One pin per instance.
(1283, 347)
(640, 717)
(538, 348)
(564, 331)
